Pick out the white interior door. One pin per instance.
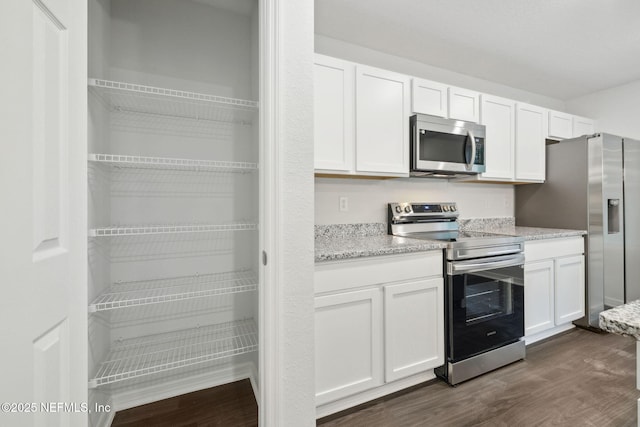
(43, 187)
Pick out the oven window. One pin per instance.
(485, 310)
(486, 300)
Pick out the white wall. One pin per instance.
(367, 199)
(617, 110)
(351, 52)
(293, 259)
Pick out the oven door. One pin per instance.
(485, 304)
(449, 146)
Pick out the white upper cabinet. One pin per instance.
(429, 97)
(563, 125)
(531, 125)
(583, 126)
(334, 114)
(498, 115)
(560, 125)
(382, 122)
(464, 104)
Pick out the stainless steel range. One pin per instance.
(484, 289)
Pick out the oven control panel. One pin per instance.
(414, 210)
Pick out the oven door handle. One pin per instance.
(460, 267)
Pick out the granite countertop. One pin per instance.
(346, 241)
(331, 248)
(537, 233)
(622, 320)
(507, 226)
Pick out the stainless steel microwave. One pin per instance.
(444, 148)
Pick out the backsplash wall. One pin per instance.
(367, 199)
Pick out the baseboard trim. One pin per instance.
(143, 395)
(106, 418)
(375, 393)
(548, 333)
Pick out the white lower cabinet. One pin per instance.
(348, 340)
(554, 286)
(569, 289)
(413, 328)
(379, 326)
(539, 297)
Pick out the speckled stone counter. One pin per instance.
(507, 226)
(537, 233)
(625, 320)
(622, 320)
(346, 241)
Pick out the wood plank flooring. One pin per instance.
(577, 379)
(580, 378)
(224, 406)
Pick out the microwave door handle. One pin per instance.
(473, 149)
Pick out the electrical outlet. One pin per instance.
(344, 204)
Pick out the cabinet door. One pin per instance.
(413, 328)
(583, 126)
(538, 297)
(569, 280)
(348, 343)
(531, 122)
(464, 104)
(429, 97)
(560, 125)
(498, 115)
(382, 122)
(334, 114)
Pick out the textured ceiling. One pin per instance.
(558, 48)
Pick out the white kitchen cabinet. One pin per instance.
(531, 122)
(554, 285)
(414, 328)
(583, 126)
(334, 114)
(539, 297)
(560, 125)
(382, 122)
(348, 343)
(498, 115)
(428, 97)
(569, 289)
(379, 326)
(464, 104)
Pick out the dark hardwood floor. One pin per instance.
(228, 405)
(577, 379)
(580, 378)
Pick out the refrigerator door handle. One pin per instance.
(613, 216)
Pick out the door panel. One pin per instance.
(569, 281)
(348, 334)
(43, 312)
(539, 296)
(382, 121)
(531, 122)
(414, 328)
(498, 115)
(50, 133)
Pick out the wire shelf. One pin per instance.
(164, 163)
(167, 229)
(134, 98)
(151, 354)
(144, 292)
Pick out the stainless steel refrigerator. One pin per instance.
(593, 184)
